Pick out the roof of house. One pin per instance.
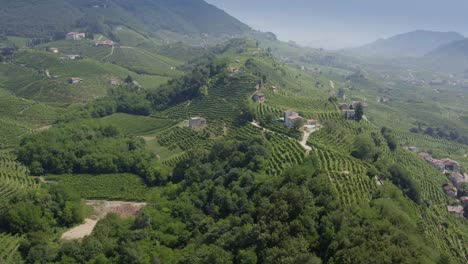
(455, 209)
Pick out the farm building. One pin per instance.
(70, 57)
(197, 122)
(74, 80)
(75, 36)
(456, 210)
(291, 118)
(114, 82)
(259, 98)
(54, 50)
(274, 89)
(348, 114)
(104, 43)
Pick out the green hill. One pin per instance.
(173, 19)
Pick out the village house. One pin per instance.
(75, 36)
(54, 50)
(424, 155)
(197, 122)
(451, 165)
(438, 164)
(456, 210)
(450, 191)
(356, 103)
(259, 98)
(109, 43)
(274, 89)
(464, 200)
(234, 70)
(458, 180)
(291, 118)
(348, 114)
(74, 80)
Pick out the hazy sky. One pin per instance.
(342, 23)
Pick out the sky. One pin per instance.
(336, 24)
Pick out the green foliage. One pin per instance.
(83, 149)
(359, 112)
(187, 87)
(401, 178)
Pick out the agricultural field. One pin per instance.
(128, 187)
(10, 245)
(14, 178)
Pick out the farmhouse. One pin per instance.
(75, 36)
(109, 43)
(291, 118)
(411, 148)
(197, 122)
(54, 50)
(74, 80)
(274, 89)
(348, 114)
(456, 210)
(259, 98)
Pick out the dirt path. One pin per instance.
(110, 54)
(303, 142)
(101, 209)
(332, 84)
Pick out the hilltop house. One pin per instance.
(348, 114)
(109, 43)
(75, 36)
(456, 210)
(74, 80)
(291, 118)
(259, 98)
(197, 122)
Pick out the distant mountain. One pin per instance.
(449, 58)
(188, 18)
(412, 44)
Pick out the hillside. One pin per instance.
(412, 44)
(176, 19)
(449, 58)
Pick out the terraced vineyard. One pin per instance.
(181, 138)
(285, 153)
(221, 103)
(11, 133)
(14, 178)
(9, 246)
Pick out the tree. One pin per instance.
(129, 79)
(332, 99)
(359, 112)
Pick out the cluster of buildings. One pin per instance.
(348, 110)
(457, 179)
(441, 164)
(292, 118)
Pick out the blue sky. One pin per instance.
(343, 23)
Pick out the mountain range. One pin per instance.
(412, 44)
